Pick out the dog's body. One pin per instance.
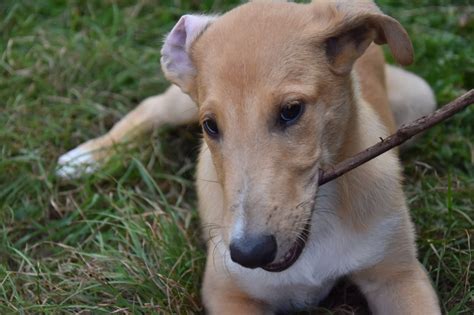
(257, 176)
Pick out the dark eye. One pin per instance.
(290, 113)
(210, 127)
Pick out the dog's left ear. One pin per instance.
(354, 25)
(176, 52)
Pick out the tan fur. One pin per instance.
(371, 75)
(251, 61)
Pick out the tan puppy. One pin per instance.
(282, 90)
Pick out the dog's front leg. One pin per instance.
(173, 107)
(398, 289)
(221, 296)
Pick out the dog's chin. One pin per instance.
(292, 255)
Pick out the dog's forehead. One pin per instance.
(253, 26)
(255, 44)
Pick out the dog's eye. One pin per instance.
(210, 127)
(290, 113)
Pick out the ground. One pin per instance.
(126, 239)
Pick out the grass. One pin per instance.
(126, 239)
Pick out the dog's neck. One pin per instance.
(363, 127)
(352, 129)
(359, 188)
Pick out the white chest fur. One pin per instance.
(333, 250)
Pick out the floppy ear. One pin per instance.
(354, 25)
(175, 54)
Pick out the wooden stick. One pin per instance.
(402, 135)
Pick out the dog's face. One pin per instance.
(272, 81)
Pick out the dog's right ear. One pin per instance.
(175, 55)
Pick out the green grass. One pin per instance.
(127, 238)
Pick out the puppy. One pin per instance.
(282, 90)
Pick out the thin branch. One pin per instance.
(402, 135)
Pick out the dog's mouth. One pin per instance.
(292, 255)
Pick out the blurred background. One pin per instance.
(126, 239)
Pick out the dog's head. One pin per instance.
(272, 81)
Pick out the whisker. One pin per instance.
(208, 180)
(214, 252)
(225, 263)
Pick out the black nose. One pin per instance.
(253, 252)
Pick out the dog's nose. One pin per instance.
(253, 252)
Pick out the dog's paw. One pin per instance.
(76, 163)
